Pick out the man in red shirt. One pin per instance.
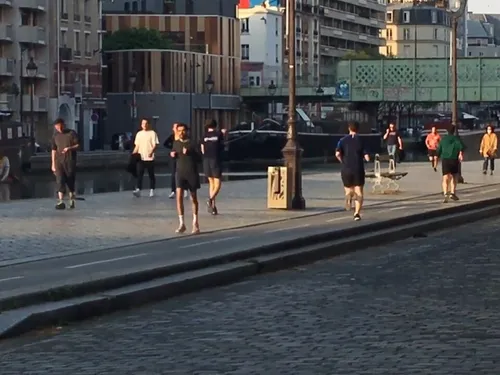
(432, 143)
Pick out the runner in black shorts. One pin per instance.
(350, 152)
(212, 147)
(450, 151)
(187, 176)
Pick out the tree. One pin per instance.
(136, 38)
(366, 54)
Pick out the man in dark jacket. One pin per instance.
(169, 143)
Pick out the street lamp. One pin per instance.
(132, 78)
(209, 84)
(271, 89)
(292, 152)
(455, 16)
(31, 71)
(319, 90)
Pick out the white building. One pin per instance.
(261, 45)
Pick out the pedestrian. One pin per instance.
(394, 141)
(187, 176)
(450, 151)
(212, 148)
(432, 142)
(488, 149)
(65, 144)
(351, 154)
(169, 143)
(145, 144)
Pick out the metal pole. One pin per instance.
(32, 130)
(454, 75)
(134, 110)
(292, 152)
(191, 92)
(21, 104)
(210, 101)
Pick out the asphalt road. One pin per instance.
(417, 307)
(70, 270)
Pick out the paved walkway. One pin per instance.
(33, 228)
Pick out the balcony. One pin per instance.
(32, 35)
(77, 53)
(42, 72)
(88, 55)
(7, 103)
(87, 19)
(65, 54)
(77, 18)
(7, 3)
(40, 103)
(6, 33)
(7, 66)
(351, 35)
(37, 5)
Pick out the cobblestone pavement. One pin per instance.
(422, 306)
(32, 228)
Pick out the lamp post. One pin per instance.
(320, 92)
(455, 16)
(209, 84)
(132, 78)
(292, 151)
(271, 89)
(31, 71)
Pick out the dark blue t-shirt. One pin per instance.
(352, 152)
(213, 143)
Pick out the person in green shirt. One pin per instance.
(450, 151)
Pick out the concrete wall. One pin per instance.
(169, 107)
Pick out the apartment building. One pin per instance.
(483, 39)
(261, 46)
(416, 31)
(347, 25)
(63, 39)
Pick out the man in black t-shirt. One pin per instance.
(393, 139)
(351, 153)
(187, 176)
(212, 147)
(64, 145)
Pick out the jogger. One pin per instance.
(450, 151)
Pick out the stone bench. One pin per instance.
(385, 182)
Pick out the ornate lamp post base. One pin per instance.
(292, 153)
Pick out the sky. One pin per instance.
(484, 6)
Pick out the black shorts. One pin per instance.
(212, 168)
(65, 178)
(432, 153)
(352, 179)
(450, 166)
(187, 181)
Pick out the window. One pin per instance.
(277, 23)
(407, 50)
(135, 6)
(77, 43)
(389, 50)
(389, 17)
(76, 7)
(406, 17)
(64, 38)
(86, 81)
(315, 25)
(434, 17)
(63, 7)
(85, 8)
(298, 23)
(126, 7)
(436, 34)
(245, 23)
(25, 18)
(436, 50)
(389, 34)
(277, 53)
(143, 6)
(245, 52)
(481, 54)
(87, 44)
(406, 34)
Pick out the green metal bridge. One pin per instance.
(404, 80)
(417, 80)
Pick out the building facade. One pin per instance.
(420, 31)
(171, 84)
(61, 39)
(483, 39)
(261, 46)
(347, 25)
(226, 8)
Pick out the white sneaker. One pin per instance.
(172, 195)
(137, 193)
(185, 194)
(151, 193)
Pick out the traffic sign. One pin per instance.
(94, 117)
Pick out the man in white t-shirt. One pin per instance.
(146, 142)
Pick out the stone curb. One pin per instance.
(224, 270)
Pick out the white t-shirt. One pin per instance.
(146, 141)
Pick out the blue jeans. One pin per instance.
(391, 150)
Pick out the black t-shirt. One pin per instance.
(61, 140)
(392, 138)
(352, 152)
(213, 144)
(186, 163)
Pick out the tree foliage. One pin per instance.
(136, 38)
(366, 54)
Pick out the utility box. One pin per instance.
(279, 188)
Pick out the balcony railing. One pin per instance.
(77, 17)
(32, 35)
(7, 102)
(6, 32)
(6, 3)
(40, 5)
(7, 66)
(40, 103)
(65, 54)
(87, 19)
